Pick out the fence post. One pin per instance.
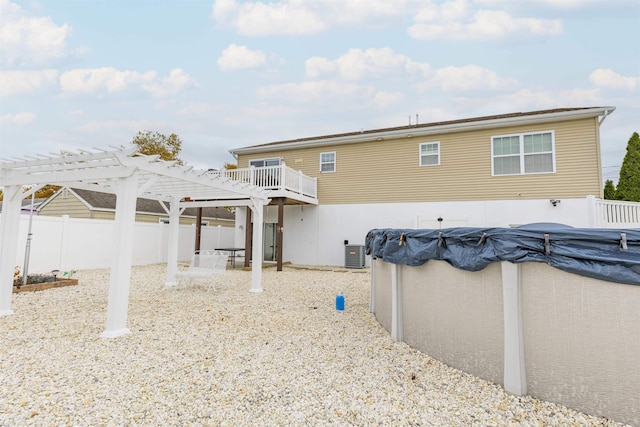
(592, 220)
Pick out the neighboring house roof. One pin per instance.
(417, 130)
(26, 204)
(107, 201)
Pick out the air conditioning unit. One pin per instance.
(354, 256)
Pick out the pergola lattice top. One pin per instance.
(100, 170)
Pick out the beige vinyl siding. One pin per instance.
(65, 205)
(389, 171)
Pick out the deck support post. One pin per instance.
(279, 233)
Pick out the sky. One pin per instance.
(224, 74)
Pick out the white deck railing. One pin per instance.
(277, 178)
(615, 213)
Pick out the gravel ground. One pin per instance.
(233, 358)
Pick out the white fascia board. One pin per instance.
(219, 203)
(416, 131)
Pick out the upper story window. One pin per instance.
(258, 163)
(523, 154)
(328, 162)
(430, 154)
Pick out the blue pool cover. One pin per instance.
(606, 254)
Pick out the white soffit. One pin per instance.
(100, 170)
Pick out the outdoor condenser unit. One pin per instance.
(354, 256)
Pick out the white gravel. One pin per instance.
(234, 358)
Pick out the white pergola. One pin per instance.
(128, 175)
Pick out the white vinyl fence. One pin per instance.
(65, 243)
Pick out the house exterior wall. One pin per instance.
(388, 171)
(65, 203)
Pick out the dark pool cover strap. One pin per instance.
(605, 254)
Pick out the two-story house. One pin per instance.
(498, 171)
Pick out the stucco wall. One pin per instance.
(581, 336)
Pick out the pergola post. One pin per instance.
(9, 228)
(118, 305)
(279, 234)
(257, 209)
(174, 231)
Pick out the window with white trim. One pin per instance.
(526, 153)
(328, 162)
(430, 154)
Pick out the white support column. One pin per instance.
(172, 244)
(396, 304)
(119, 280)
(9, 228)
(515, 380)
(256, 247)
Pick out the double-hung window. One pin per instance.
(526, 153)
(430, 154)
(328, 162)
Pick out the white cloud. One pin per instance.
(530, 100)
(267, 18)
(457, 20)
(468, 78)
(109, 79)
(95, 79)
(316, 91)
(357, 64)
(384, 100)
(607, 78)
(20, 119)
(175, 82)
(302, 17)
(30, 40)
(236, 57)
(116, 125)
(16, 82)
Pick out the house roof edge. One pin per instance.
(431, 128)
